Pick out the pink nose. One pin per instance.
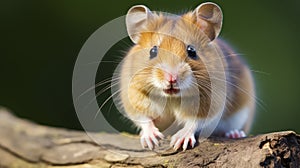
(172, 78)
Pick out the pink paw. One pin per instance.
(235, 134)
(149, 137)
(182, 138)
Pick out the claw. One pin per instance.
(185, 143)
(149, 143)
(142, 140)
(154, 140)
(160, 135)
(182, 138)
(172, 143)
(149, 136)
(193, 142)
(178, 144)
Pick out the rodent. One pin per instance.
(165, 67)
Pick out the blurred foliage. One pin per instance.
(40, 41)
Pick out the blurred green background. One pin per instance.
(40, 41)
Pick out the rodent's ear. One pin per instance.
(209, 17)
(136, 19)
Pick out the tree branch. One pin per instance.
(26, 144)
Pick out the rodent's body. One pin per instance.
(174, 83)
(240, 101)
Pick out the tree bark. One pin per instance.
(26, 144)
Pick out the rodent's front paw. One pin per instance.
(150, 137)
(183, 137)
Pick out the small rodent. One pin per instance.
(164, 79)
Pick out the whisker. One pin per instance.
(106, 88)
(102, 105)
(105, 81)
(110, 107)
(100, 92)
(259, 101)
(260, 72)
(97, 62)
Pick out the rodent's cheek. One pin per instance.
(186, 77)
(187, 81)
(158, 78)
(184, 74)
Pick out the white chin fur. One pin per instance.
(170, 95)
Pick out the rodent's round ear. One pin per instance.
(209, 17)
(136, 19)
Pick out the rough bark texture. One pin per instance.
(25, 144)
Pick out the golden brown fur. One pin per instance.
(172, 34)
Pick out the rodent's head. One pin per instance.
(169, 50)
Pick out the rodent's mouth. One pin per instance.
(171, 91)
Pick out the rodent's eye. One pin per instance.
(153, 52)
(191, 51)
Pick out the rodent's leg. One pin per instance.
(235, 134)
(149, 133)
(185, 135)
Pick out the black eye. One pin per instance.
(191, 51)
(153, 52)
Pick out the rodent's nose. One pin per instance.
(172, 78)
